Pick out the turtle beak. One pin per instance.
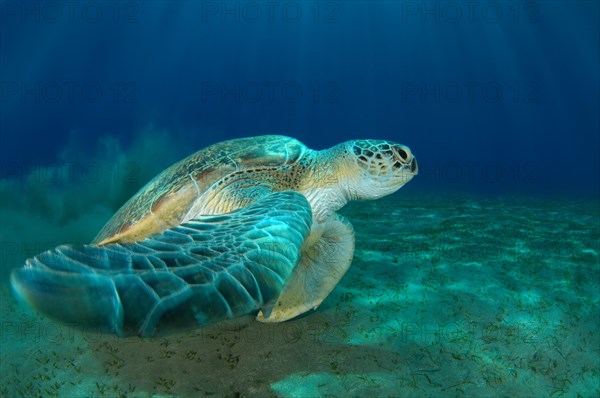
(414, 167)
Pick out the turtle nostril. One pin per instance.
(413, 166)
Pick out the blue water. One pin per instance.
(515, 89)
(499, 102)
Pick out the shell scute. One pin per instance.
(164, 201)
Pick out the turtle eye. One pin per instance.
(402, 153)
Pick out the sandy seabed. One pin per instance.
(446, 297)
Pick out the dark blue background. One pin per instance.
(540, 135)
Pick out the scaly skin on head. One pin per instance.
(355, 170)
(381, 168)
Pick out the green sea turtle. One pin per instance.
(246, 226)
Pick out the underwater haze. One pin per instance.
(480, 277)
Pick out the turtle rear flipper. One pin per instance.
(209, 269)
(322, 266)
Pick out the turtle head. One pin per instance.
(378, 168)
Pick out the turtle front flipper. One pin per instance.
(209, 269)
(322, 266)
